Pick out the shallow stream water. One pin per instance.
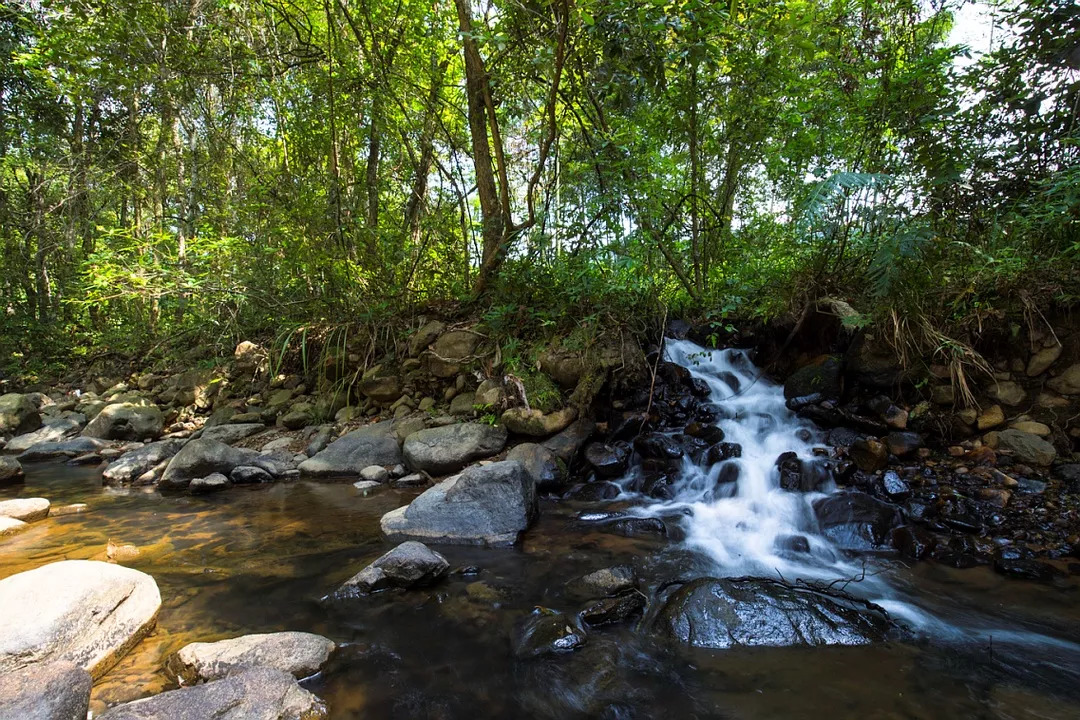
(259, 558)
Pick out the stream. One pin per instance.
(260, 558)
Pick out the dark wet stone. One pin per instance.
(658, 445)
(913, 542)
(723, 451)
(843, 437)
(698, 387)
(796, 404)
(721, 613)
(636, 527)
(593, 492)
(894, 487)
(856, 521)
(657, 485)
(902, 444)
(609, 460)
(411, 564)
(708, 433)
(547, 632)
(567, 443)
(793, 544)
(823, 378)
(869, 454)
(606, 582)
(798, 475)
(1021, 563)
(614, 609)
(958, 552)
(1031, 486)
(728, 475)
(249, 474)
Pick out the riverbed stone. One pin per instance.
(126, 421)
(902, 444)
(375, 473)
(232, 433)
(443, 450)
(64, 448)
(542, 464)
(126, 469)
(608, 460)
(251, 693)
(349, 454)
(856, 521)
(10, 470)
(10, 526)
(1042, 359)
(534, 423)
(567, 443)
(212, 483)
(82, 611)
(606, 582)
(484, 505)
(1007, 392)
(1032, 427)
(52, 431)
(300, 654)
(57, 690)
(722, 613)
(990, 418)
(200, 458)
(25, 509)
(1026, 447)
(1068, 382)
(547, 632)
(869, 454)
(18, 414)
(451, 352)
(411, 564)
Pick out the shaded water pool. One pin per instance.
(258, 559)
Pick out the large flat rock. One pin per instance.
(127, 468)
(47, 691)
(25, 509)
(52, 431)
(351, 453)
(485, 505)
(62, 448)
(447, 449)
(85, 612)
(203, 457)
(300, 654)
(254, 693)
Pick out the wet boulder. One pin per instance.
(856, 521)
(606, 582)
(608, 611)
(608, 460)
(300, 654)
(443, 450)
(18, 414)
(658, 446)
(593, 492)
(200, 458)
(823, 378)
(126, 421)
(798, 475)
(722, 451)
(52, 431)
(1019, 562)
(251, 693)
(411, 564)
(722, 613)
(10, 470)
(542, 464)
(567, 443)
(127, 468)
(903, 444)
(547, 632)
(349, 454)
(484, 505)
(63, 448)
(81, 611)
(56, 690)
(869, 454)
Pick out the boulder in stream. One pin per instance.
(25, 509)
(126, 421)
(349, 454)
(63, 448)
(252, 693)
(200, 458)
(547, 632)
(411, 564)
(10, 470)
(300, 654)
(130, 466)
(443, 450)
(484, 505)
(856, 521)
(722, 613)
(542, 464)
(57, 690)
(82, 611)
(52, 431)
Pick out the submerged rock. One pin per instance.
(484, 505)
(82, 611)
(605, 582)
(300, 654)
(126, 469)
(721, 613)
(411, 564)
(352, 452)
(614, 609)
(442, 450)
(252, 693)
(46, 691)
(546, 632)
(608, 460)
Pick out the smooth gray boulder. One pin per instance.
(52, 431)
(86, 612)
(1026, 447)
(410, 564)
(126, 421)
(10, 470)
(209, 484)
(47, 691)
(127, 468)
(542, 464)
(64, 448)
(18, 414)
(484, 505)
(722, 613)
(253, 693)
(375, 473)
(203, 457)
(567, 443)
(229, 434)
(300, 654)
(447, 449)
(25, 509)
(352, 452)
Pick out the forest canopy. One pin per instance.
(225, 167)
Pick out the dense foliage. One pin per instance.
(222, 167)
